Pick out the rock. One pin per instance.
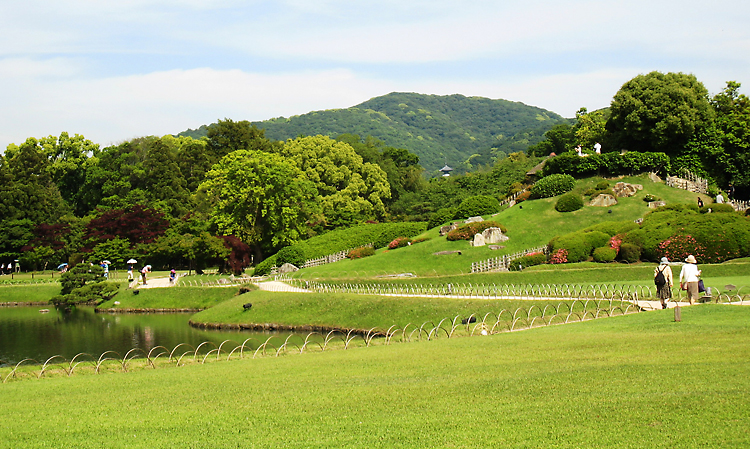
(495, 247)
(603, 200)
(478, 240)
(474, 220)
(623, 189)
(288, 268)
(494, 235)
(448, 228)
(654, 177)
(655, 204)
(445, 253)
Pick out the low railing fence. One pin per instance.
(331, 258)
(503, 262)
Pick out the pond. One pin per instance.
(25, 333)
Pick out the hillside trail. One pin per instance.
(282, 287)
(154, 283)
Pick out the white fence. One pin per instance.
(503, 262)
(331, 258)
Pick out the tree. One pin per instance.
(559, 139)
(136, 224)
(226, 136)
(351, 191)
(263, 199)
(84, 283)
(659, 112)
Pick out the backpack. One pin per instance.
(660, 280)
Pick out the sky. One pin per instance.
(118, 69)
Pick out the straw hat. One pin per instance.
(691, 259)
(664, 261)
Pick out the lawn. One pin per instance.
(640, 380)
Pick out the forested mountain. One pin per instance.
(461, 131)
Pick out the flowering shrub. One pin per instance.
(529, 260)
(615, 242)
(678, 247)
(358, 253)
(399, 242)
(559, 256)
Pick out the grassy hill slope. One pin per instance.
(532, 224)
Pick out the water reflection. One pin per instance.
(26, 333)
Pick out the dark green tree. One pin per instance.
(226, 136)
(659, 112)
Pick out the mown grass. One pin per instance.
(640, 380)
(351, 311)
(171, 298)
(31, 293)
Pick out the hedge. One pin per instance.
(609, 164)
(476, 206)
(552, 185)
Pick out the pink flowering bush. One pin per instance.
(559, 256)
(615, 242)
(399, 242)
(679, 246)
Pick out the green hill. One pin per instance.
(454, 129)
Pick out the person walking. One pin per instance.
(663, 281)
(689, 278)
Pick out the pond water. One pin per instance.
(27, 333)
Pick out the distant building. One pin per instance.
(446, 170)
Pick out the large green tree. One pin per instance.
(658, 112)
(352, 191)
(262, 198)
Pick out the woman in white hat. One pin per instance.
(689, 278)
(665, 289)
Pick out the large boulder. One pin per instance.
(287, 268)
(448, 228)
(474, 220)
(624, 189)
(478, 240)
(655, 204)
(603, 200)
(494, 235)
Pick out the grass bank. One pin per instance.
(170, 298)
(350, 311)
(635, 381)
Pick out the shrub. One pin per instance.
(649, 198)
(469, 230)
(441, 216)
(552, 185)
(717, 208)
(476, 206)
(602, 185)
(358, 253)
(569, 202)
(399, 242)
(393, 230)
(605, 254)
(525, 195)
(420, 240)
(559, 256)
(575, 245)
(612, 164)
(294, 255)
(529, 260)
(264, 267)
(596, 239)
(630, 253)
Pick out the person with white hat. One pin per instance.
(689, 278)
(663, 282)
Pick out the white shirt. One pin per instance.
(689, 273)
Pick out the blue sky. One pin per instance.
(113, 70)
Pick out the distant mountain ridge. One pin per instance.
(454, 129)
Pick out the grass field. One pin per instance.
(640, 380)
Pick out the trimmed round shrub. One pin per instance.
(605, 254)
(569, 202)
(575, 244)
(469, 230)
(596, 239)
(441, 216)
(602, 185)
(649, 198)
(291, 254)
(630, 253)
(265, 266)
(358, 253)
(399, 242)
(477, 206)
(553, 185)
(528, 260)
